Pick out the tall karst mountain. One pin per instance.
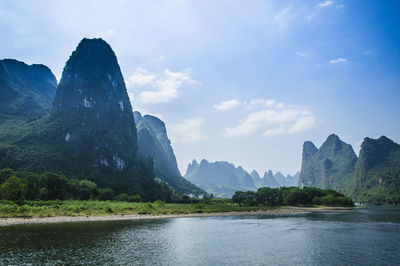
(90, 131)
(153, 142)
(330, 166)
(377, 176)
(26, 91)
(93, 106)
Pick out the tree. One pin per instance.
(73, 188)
(105, 193)
(134, 198)
(43, 193)
(14, 189)
(250, 198)
(5, 174)
(55, 185)
(33, 182)
(87, 189)
(122, 197)
(239, 197)
(297, 196)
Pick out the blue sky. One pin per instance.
(242, 81)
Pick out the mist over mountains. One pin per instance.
(223, 179)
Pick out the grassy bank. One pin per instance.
(101, 208)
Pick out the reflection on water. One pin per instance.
(364, 236)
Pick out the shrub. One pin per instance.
(14, 189)
(122, 197)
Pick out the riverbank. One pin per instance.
(68, 219)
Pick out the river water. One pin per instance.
(369, 236)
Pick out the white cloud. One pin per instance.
(187, 131)
(109, 33)
(265, 102)
(339, 60)
(284, 17)
(277, 120)
(301, 54)
(319, 7)
(158, 89)
(326, 3)
(143, 112)
(141, 77)
(253, 103)
(370, 52)
(227, 105)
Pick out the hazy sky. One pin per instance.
(243, 81)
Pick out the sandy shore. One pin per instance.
(67, 219)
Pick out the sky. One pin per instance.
(241, 81)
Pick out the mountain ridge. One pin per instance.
(90, 130)
(26, 91)
(330, 166)
(222, 178)
(371, 178)
(153, 142)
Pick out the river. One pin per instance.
(368, 236)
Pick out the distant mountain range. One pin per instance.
(224, 179)
(84, 127)
(372, 178)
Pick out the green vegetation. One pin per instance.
(291, 196)
(96, 142)
(20, 186)
(382, 188)
(377, 177)
(37, 147)
(27, 194)
(330, 167)
(98, 208)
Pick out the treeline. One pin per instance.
(291, 196)
(19, 186)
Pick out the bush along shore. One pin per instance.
(28, 209)
(26, 194)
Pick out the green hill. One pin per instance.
(330, 167)
(90, 131)
(377, 176)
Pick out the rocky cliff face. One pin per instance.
(90, 131)
(93, 105)
(153, 142)
(26, 91)
(332, 166)
(377, 176)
